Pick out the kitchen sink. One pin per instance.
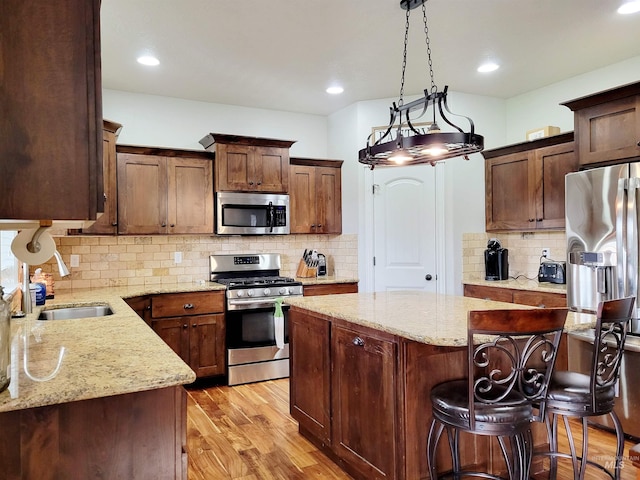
(76, 312)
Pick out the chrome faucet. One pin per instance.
(26, 294)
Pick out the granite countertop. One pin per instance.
(104, 356)
(520, 283)
(423, 317)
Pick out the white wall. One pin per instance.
(542, 107)
(156, 121)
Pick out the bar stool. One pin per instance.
(578, 395)
(511, 356)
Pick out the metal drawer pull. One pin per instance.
(188, 306)
(358, 342)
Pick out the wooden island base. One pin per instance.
(362, 396)
(135, 435)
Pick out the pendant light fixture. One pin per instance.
(402, 143)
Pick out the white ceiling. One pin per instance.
(282, 54)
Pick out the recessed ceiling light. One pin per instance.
(632, 6)
(488, 67)
(629, 7)
(148, 60)
(335, 90)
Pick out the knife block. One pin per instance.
(305, 271)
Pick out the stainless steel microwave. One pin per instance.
(252, 214)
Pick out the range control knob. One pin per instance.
(240, 293)
(267, 292)
(283, 291)
(250, 293)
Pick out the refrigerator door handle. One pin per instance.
(628, 261)
(632, 238)
(622, 208)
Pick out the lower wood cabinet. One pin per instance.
(510, 295)
(310, 382)
(135, 435)
(193, 325)
(363, 401)
(362, 396)
(142, 306)
(343, 393)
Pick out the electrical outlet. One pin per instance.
(75, 260)
(177, 258)
(546, 252)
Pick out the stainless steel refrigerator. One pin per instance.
(602, 214)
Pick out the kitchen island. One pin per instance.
(116, 407)
(362, 367)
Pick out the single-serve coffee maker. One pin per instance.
(496, 261)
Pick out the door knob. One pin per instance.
(428, 277)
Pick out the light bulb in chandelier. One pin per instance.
(400, 157)
(435, 150)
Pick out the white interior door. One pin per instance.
(404, 218)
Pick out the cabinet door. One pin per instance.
(551, 164)
(310, 386)
(509, 193)
(234, 168)
(142, 306)
(608, 131)
(189, 303)
(190, 195)
(175, 333)
(207, 344)
(270, 170)
(50, 110)
(330, 289)
(142, 194)
(303, 199)
(107, 223)
(364, 402)
(329, 201)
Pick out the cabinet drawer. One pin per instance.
(489, 293)
(540, 299)
(330, 289)
(192, 303)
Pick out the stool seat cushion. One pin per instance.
(570, 391)
(450, 402)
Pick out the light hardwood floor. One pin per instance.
(246, 433)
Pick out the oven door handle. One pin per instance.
(249, 303)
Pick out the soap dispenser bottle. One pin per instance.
(5, 342)
(41, 287)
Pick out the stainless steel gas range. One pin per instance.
(257, 345)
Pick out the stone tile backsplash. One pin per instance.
(106, 261)
(524, 251)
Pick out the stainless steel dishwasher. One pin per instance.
(627, 406)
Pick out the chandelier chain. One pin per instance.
(404, 58)
(434, 89)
